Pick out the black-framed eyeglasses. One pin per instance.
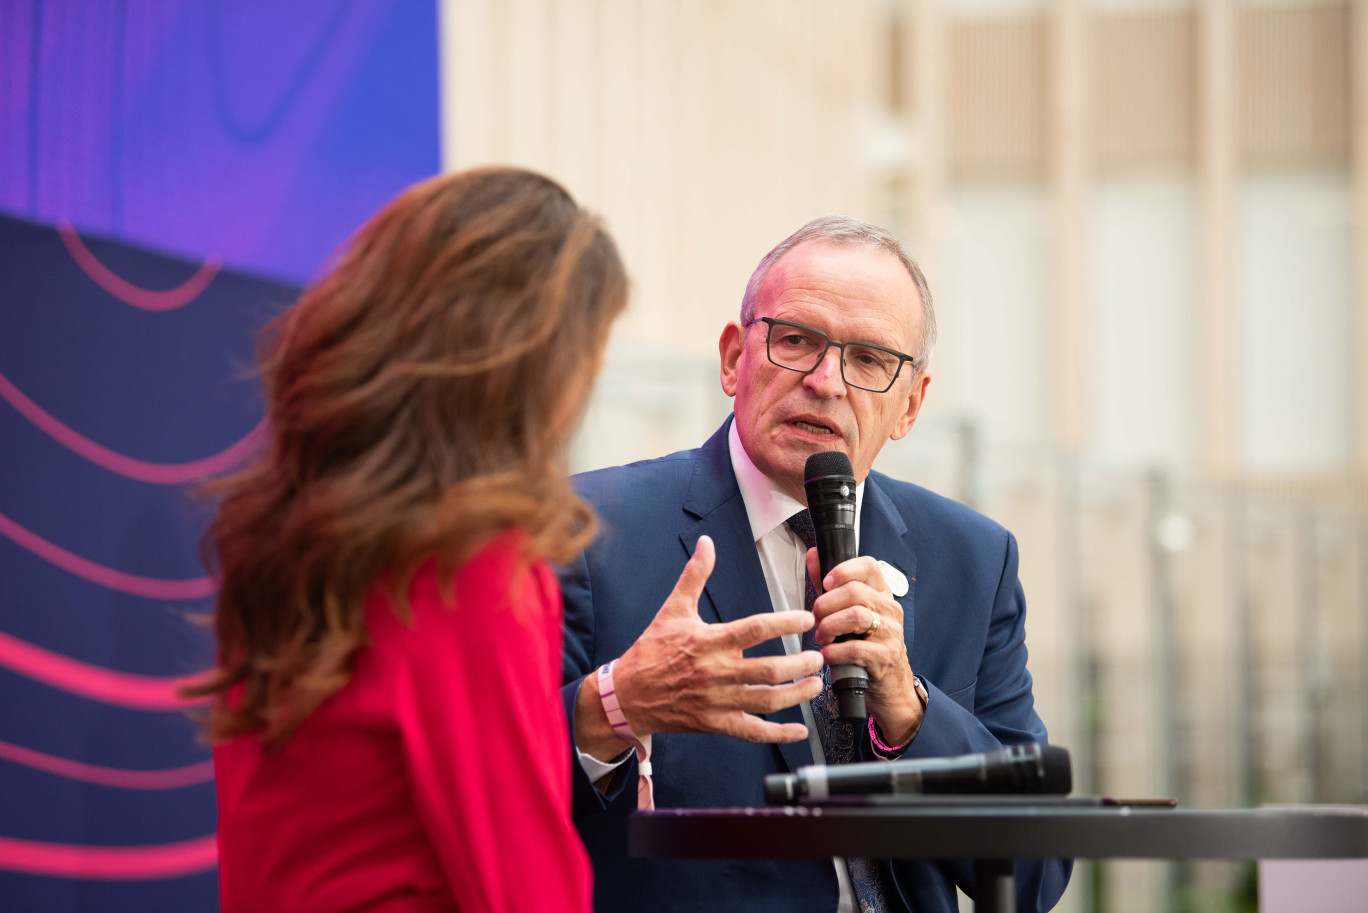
(801, 348)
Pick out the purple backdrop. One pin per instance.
(170, 174)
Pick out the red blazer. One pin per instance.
(435, 779)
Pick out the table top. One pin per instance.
(985, 830)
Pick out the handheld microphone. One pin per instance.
(829, 481)
(1040, 769)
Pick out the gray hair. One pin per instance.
(845, 231)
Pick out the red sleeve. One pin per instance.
(476, 697)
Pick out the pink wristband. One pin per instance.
(879, 743)
(623, 730)
(919, 684)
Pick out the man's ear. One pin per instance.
(730, 346)
(916, 396)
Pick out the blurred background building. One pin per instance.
(1143, 224)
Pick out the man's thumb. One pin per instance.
(695, 574)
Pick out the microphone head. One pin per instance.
(1056, 771)
(827, 464)
(781, 789)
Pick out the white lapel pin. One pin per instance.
(897, 580)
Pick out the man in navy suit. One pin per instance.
(685, 643)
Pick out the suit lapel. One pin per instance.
(737, 585)
(883, 536)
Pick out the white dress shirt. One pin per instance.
(783, 558)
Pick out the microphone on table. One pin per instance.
(829, 481)
(1019, 769)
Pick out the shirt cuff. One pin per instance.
(595, 769)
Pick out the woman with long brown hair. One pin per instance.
(387, 730)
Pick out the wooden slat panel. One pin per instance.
(1358, 168)
(1143, 90)
(529, 82)
(621, 170)
(575, 119)
(1216, 159)
(996, 84)
(1294, 86)
(658, 202)
(473, 85)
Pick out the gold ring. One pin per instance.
(874, 625)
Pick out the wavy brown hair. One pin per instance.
(420, 396)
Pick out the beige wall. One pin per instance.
(704, 132)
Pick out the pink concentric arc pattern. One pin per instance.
(127, 292)
(115, 863)
(122, 689)
(158, 473)
(171, 778)
(134, 585)
(141, 692)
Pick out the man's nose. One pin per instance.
(826, 379)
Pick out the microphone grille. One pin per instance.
(1058, 771)
(828, 463)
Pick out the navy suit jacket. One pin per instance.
(964, 617)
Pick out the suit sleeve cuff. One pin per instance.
(585, 797)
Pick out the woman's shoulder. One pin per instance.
(496, 579)
(491, 612)
(497, 559)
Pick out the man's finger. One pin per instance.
(753, 729)
(684, 598)
(769, 698)
(772, 670)
(762, 626)
(855, 620)
(851, 594)
(850, 653)
(864, 569)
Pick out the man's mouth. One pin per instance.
(810, 427)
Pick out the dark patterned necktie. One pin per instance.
(836, 735)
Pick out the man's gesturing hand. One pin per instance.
(685, 675)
